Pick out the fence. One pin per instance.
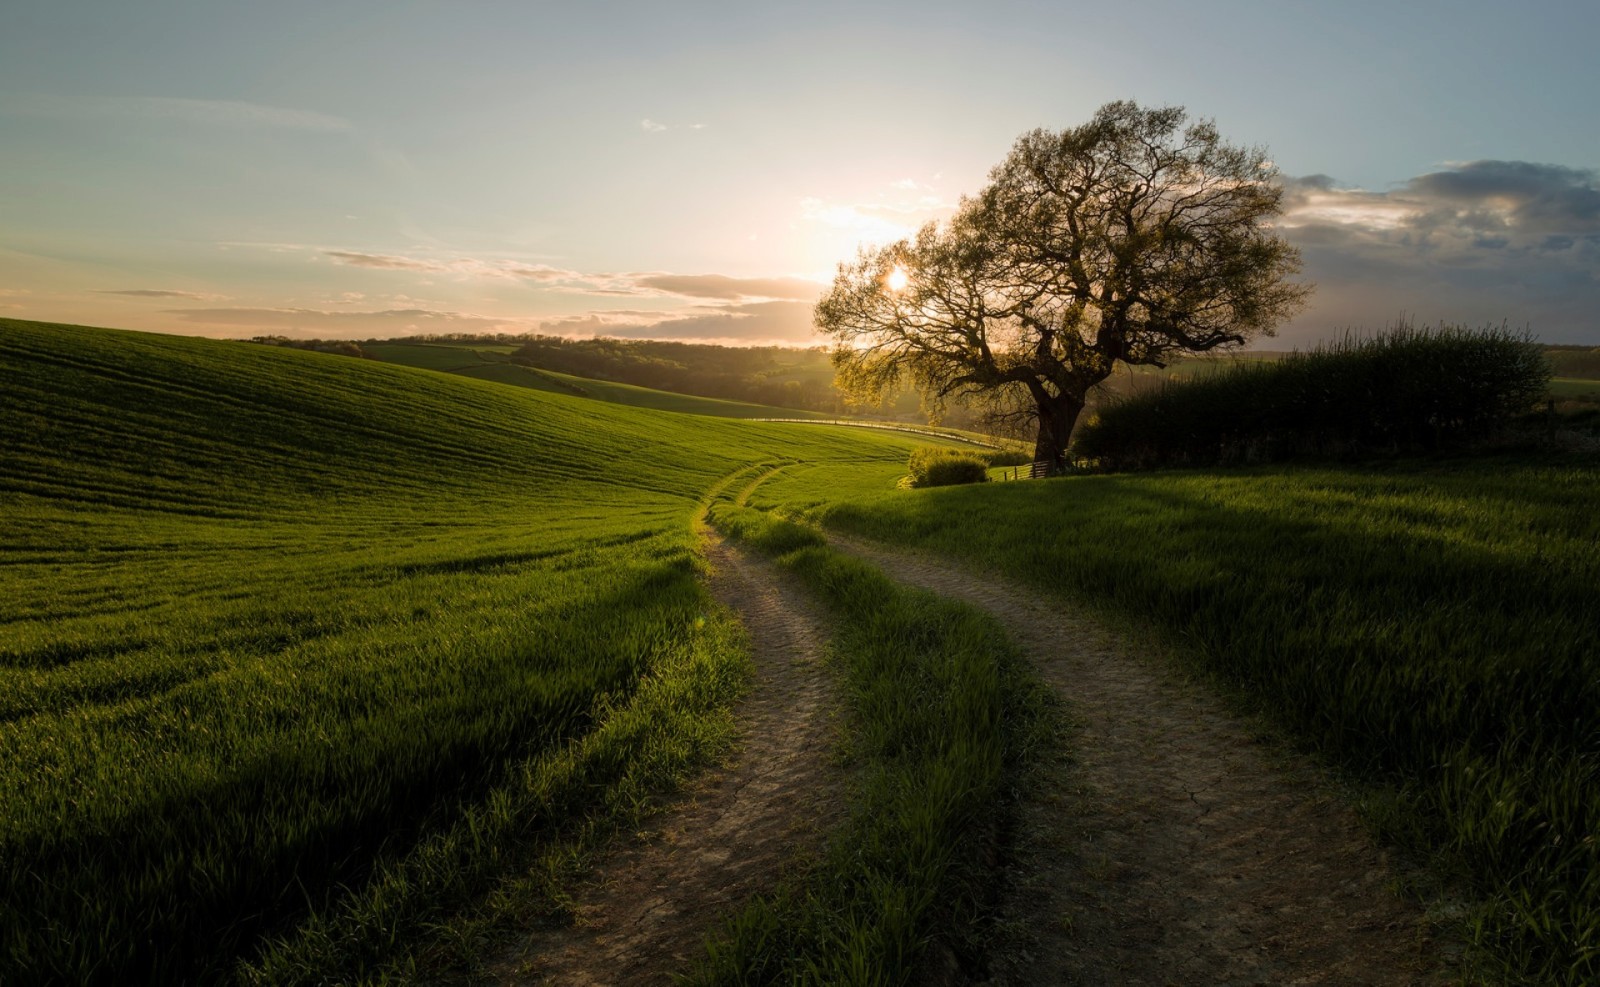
(1033, 471)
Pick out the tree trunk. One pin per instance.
(1057, 415)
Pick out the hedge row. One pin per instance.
(1403, 390)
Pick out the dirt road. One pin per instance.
(1176, 849)
(646, 911)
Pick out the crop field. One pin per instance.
(1431, 627)
(490, 363)
(294, 646)
(1575, 387)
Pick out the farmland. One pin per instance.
(492, 363)
(1429, 626)
(302, 653)
(293, 644)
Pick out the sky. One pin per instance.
(698, 170)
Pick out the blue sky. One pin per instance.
(697, 170)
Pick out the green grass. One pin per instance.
(1575, 387)
(1431, 627)
(943, 721)
(491, 363)
(300, 649)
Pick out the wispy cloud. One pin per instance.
(650, 126)
(724, 288)
(761, 323)
(159, 293)
(463, 266)
(890, 214)
(386, 322)
(387, 262)
(711, 287)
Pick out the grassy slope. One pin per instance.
(487, 364)
(275, 619)
(1433, 626)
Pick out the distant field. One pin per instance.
(287, 631)
(1429, 626)
(489, 363)
(1575, 387)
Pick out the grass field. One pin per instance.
(296, 648)
(1575, 387)
(490, 363)
(1431, 627)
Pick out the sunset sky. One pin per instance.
(697, 170)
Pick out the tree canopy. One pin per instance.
(1128, 239)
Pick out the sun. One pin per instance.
(898, 279)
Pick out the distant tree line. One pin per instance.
(1574, 361)
(341, 347)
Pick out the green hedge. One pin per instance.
(1404, 390)
(934, 467)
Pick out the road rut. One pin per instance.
(645, 914)
(1175, 849)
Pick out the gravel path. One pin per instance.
(1175, 849)
(645, 913)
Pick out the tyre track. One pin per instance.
(1175, 849)
(645, 913)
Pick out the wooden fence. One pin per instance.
(1033, 471)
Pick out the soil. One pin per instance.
(645, 913)
(1177, 846)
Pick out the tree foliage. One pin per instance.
(1127, 239)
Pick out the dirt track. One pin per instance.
(1175, 850)
(645, 913)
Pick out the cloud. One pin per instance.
(655, 127)
(891, 214)
(722, 287)
(759, 323)
(715, 287)
(159, 293)
(1476, 242)
(465, 266)
(387, 262)
(386, 322)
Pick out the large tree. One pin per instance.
(1130, 238)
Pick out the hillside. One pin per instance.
(283, 626)
(1428, 625)
(488, 364)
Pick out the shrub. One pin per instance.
(934, 467)
(1404, 390)
(1008, 457)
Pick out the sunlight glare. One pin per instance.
(898, 279)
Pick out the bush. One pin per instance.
(1008, 457)
(934, 467)
(1404, 390)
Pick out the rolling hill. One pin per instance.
(283, 628)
